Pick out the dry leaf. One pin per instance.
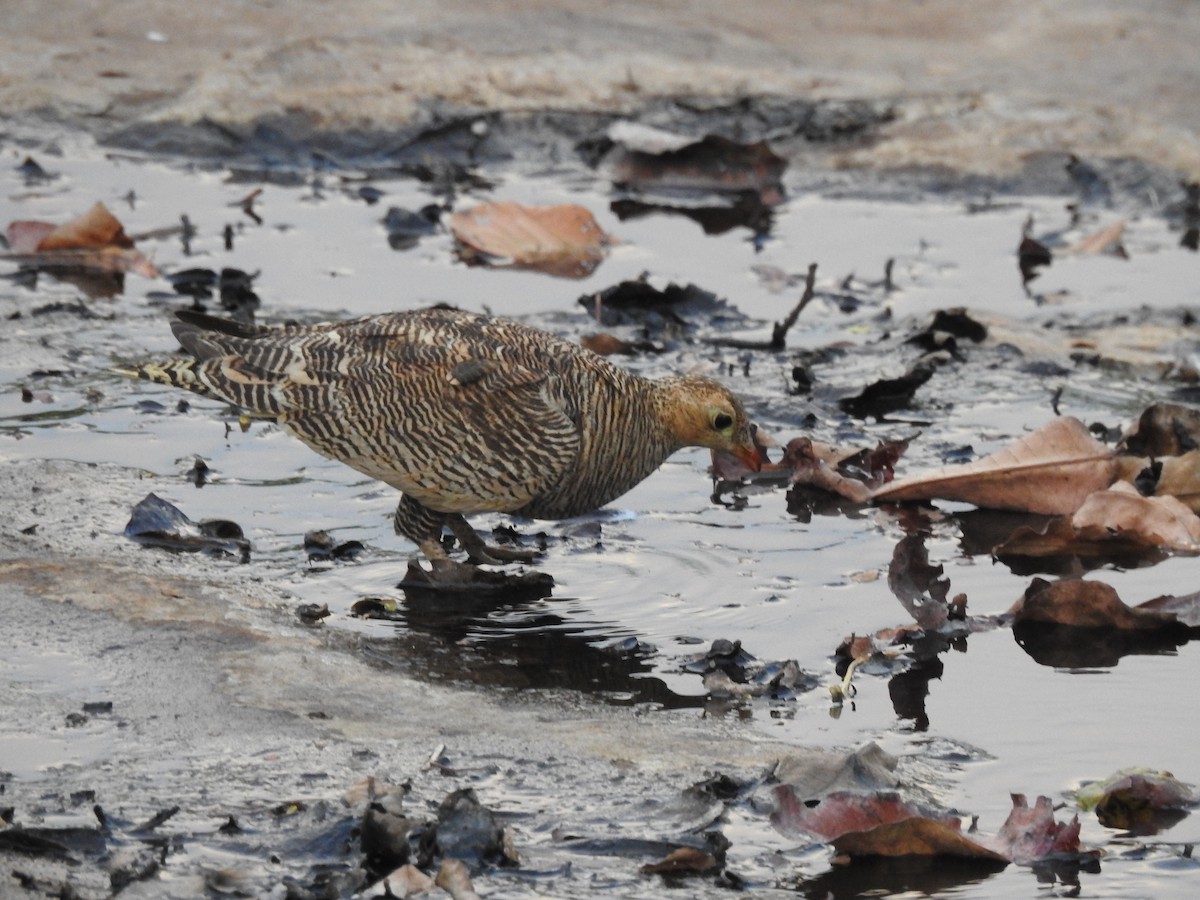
(1051, 471)
(1122, 513)
(1085, 604)
(406, 881)
(95, 229)
(1106, 240)
(682, 861)
(95, 240)
(1030, 834)
(562, 240)
(806, 468)
(915, 836)
(455, 880)
(1180, 478)
(1138, 800)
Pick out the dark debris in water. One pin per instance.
(157, 523)
(321, 546)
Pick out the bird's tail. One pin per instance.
(181, 373)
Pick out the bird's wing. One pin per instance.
(444, 418)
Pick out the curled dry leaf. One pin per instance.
(1030, 834)
(807, 468)
(95, 240)
(916, 836)
(918, 585)
(1122, 513)
(1051, 471)
(879, 824)
(562, 240)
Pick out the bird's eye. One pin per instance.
(721, 421)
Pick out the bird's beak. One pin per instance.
(748, 452)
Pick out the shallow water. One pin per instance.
(668, 571)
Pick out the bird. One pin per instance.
(462, 412)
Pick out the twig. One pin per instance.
(778, 339)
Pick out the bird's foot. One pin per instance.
(488, 554)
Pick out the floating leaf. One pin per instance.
(915, 836)
(1085, 604)
(1031, 834)
(95, 240)
(683, 861)
(1138, 800)
(1122, 513)
(562, 240)
(1051, 471)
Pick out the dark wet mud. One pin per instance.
(584, 718)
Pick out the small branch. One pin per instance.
(779, 333)
(778, 339)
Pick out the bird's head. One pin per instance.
(701, 412)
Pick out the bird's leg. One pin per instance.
(420, 525)
(480, 553)
(423, 526)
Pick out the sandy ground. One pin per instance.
(978, 87)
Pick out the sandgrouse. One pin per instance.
(463, 413)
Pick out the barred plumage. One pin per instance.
(462, 413)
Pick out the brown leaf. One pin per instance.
(562, 240)
(1051, 471)
(455, 880)
(799, 456)
(95, 241)
(1085, 604)
(1106, 240)
(843, 812)
(915, 836)
(1121, 512)
(1180, 478)
(95, 229)
(605, 344)
(682, 861)
(1030, 834)
(1138, 800)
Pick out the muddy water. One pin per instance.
(645, 585)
